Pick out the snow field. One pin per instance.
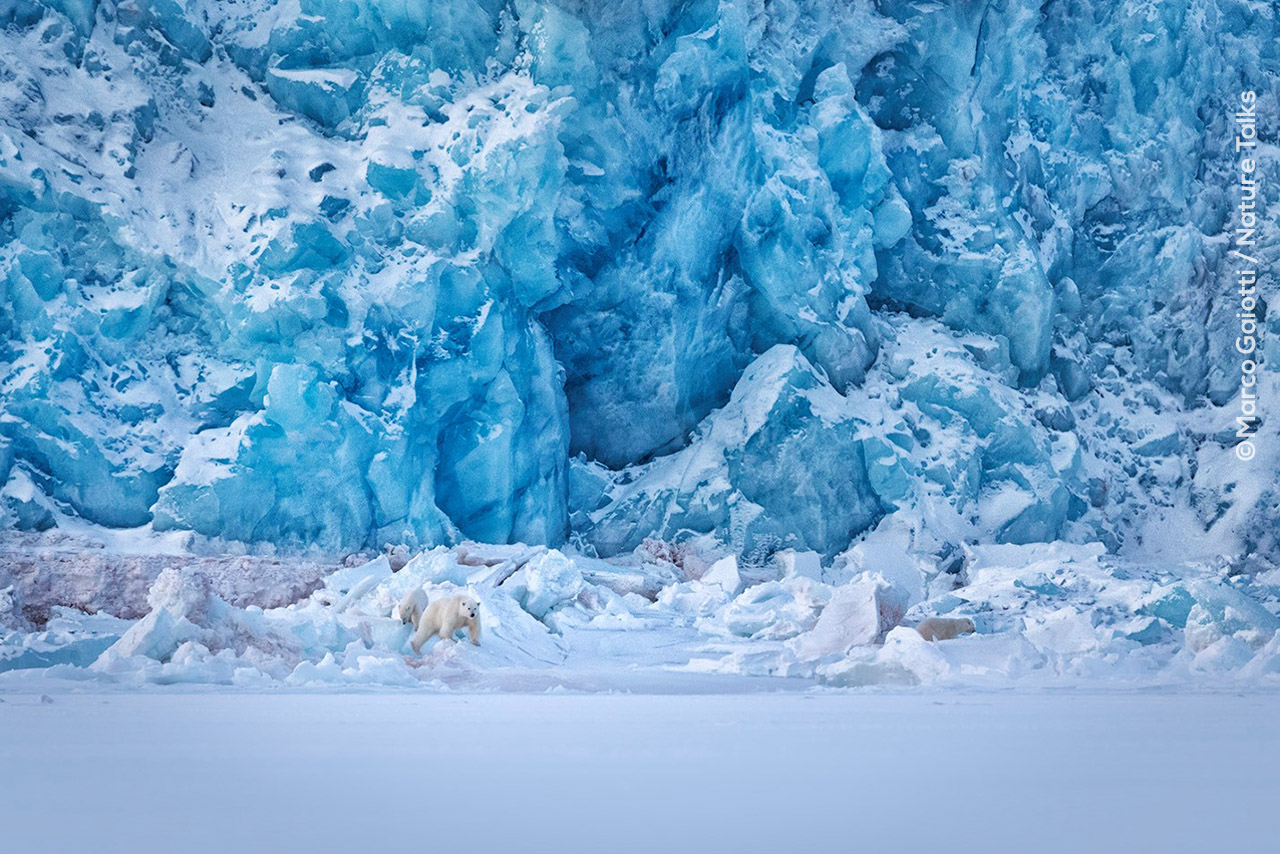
(993, 772)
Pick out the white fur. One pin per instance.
(411, 607)
(944, 628)
(444, 617)
(397, 555)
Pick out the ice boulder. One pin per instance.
(908, 659)
(546, 582)
(25, 504)
(1266, 663)
(1221, 611)
(69, 637)
(724, 574)
(799, 564)
(11, 616)
(1066, 632)
(888, 551)
(182, 606)
(859, 613)
(325, 95)
(776, 610)
(354, 582)
(157, 636)
(905, 659)
(185, 612)
(188, 594)
(1224, 655)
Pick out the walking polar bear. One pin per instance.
(443, 617)
(944, 628)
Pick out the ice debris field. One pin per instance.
(669, 620)
(772, 329)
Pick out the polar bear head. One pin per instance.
(468, 607)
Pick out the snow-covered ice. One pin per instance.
(1000, 772)
(1045, 615)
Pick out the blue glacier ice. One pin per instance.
(329, 274)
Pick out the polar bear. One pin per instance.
(944, 628)
(444, 617)
(397, 555)
(411, 607)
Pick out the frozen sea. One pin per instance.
(1071, 771)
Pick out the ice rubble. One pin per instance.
(1046, 615)
(331, 275)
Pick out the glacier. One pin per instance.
(880, 284)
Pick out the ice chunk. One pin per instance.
(1066, 632)
(693, 598)
(186, 611)
(546, 582)
(182, 604)
(1221, 611)
(11, 616)
(157, 636)
(906, 659)
(724, 574)
(1223, 655)
(776, 610)
(69, 637)
(887, 551)
(353, 578)
(800, 564)
(30, 509)
(859, 613)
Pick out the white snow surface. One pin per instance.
(991, 772)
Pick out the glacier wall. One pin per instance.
(333, 273)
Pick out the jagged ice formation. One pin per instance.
(332, 274)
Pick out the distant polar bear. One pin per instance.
(944, 628)
(397, 555)
(411, 607)
(444, 617)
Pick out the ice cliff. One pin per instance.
(334, 273)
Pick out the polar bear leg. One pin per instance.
(474, 626)
(426, 628)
